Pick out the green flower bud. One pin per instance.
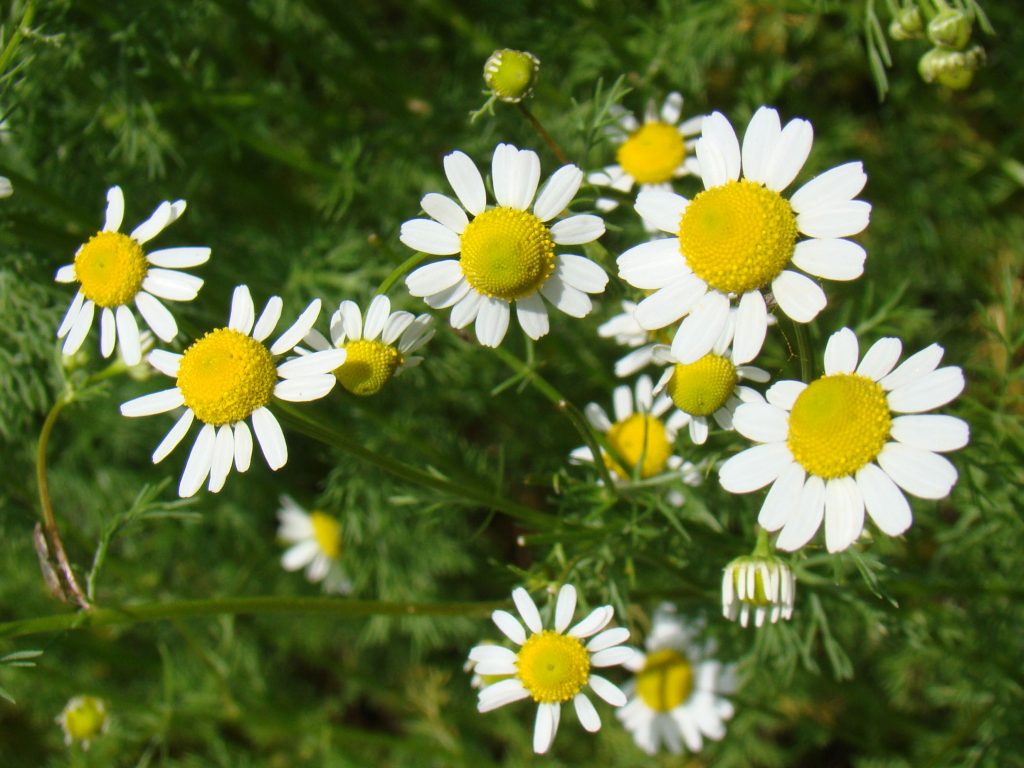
(907, 24)
(952, 69)
(511, 75)
(951, 28)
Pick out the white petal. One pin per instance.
(446, 211)
(415, 336)
(597, 417)
(243, 313)
(783, 394)
(510, 626)
(66, 274)
(376, 317)
(395, 326)
(128, 335)
(492, 654)
(165, 362)
(492, 321)
(465, 179)
(805, 520)
(841, 352)
(565, 607)
(197, 468)
(174, 436)
(836, 185)
(312, 365)
(525, 179)
(718, 151)
(434, 278)
(800, 297)
(503, 173)
(299, 329)
(270, 437)
(838, 220)
(427, 236)
(654, 264)
(930, 391)
(790, 153)
(108, 332)
(831, 258)
(157, 402)
(754, 468)
(844, 513)
(885, 503)
(608, 639)
(782, 498)
(612, 657)
(243, 446)
(699, 430)
(585, 711)
(921, 473)
(300, 555)
(672, 108)
(595, 621)
(662, 208)
(115, 210)
(527, 609)
(223, 456)
(607, 691)
(759, 142)
(558, 192)
(931, 433)
(268, 318)
(79, 329)
(698, 333)
(179, 258)
(171, 285)
(74, 309)
(155, 224)
(544, 728)
(501, 693)
(761, 422)
(880, 358)
(914, 368)
(751, 327)
(466, 310)
(575, 230)
(573, 302)
(581, 273)
(157, 316)
(305, 388)
(533, 316)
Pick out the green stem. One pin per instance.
(185, 609)
(803, 352)
(552, 144)
(318, 430)
(415, 260)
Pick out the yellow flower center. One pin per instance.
(553, 667)
(327, 532)
(652, 153)
(506, 253)
(225, 376)
(666, 680)
(111, 268)
(702, 387)
(737, 236)
(368, 366)
(635, 437)
(84, 718)
(760, 596)
(838, 424)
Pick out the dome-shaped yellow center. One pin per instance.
(507, 253)
(652, 153)
(368, 366)
(111, 268)
(225, 376)
(666, 680)
(635, 437)
(553, 667)
(838, 424)
(327, 532)
(738, 236)
(702, 387)
(84, 718)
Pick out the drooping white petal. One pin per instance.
(581, 273)
(510, 626)
(755, 467)
(395, 326)
(558, 192)
(74, 309)
(701, 328)
(155, 224)
(751, 327)
(533, 316)
(179, 258)
(607, 691)
(108, 332)
(223, 457)
(270, 437)
(544, 728)
(466, 310)
(492, 321)
(844, 513)
(914, 367)
(434, 278)
(428, 236)
(662, 208)
(527, 609)
(885, 503)
(79, 328)
(831, 258)
(243, 312)
(501, 693)
(790, 153)
(151, 404)
(376, 317)
(931, 433)
(174, 436)
(565, 607)
(799, 297)
(268, 318)
(782, 498)
(157, 316)
(466, 181)
(805, 520)
(759, 142)
(585, 711)
(698, 430)
(299, 556)
(841, 352)
(836, 185)
(446, 211)
(930, 391)
(200, 460)
(128, 335)
(298, 330)
(880, 358)
(172, 285)
(919, 472)
(573, 302)
(243, 446)
(305, 388)
(575, 230)
(165, 362)
(115, 210)
(654, 264)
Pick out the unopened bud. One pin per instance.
(511, 75)
(951, 28)
(758, 587)
(83, 719)
(907, 24)
(952, 69)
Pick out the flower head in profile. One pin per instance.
(228, 376)
(651, 153)
(511, 74)
(848, 442)
(83, 720)
(759, 585)
(626, 331)
(314, 543)
(114, 272)
(675, 699)
(552, 666)
(506, 254)
(736, 241)
(377, 348)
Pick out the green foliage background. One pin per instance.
(302, 133)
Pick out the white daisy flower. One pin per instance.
(638, 435)
(710, 386)
(315, 544)
(736, 239)
(758, 585)
(837, 446)
(83, 720)
(626, 331)
(506, 254)
(675, 698)
(113, 272)
(378, 348)
(552, 666)
(230, 375)
(650, 154)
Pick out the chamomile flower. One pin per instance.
(506, 254)
(838, 447)
(83, 720)
(114, 272)
(376, 349)
(625, 330)
(710, 386)
(650, 154)
(552, 666)
(639, 435)
(735, 240)
(228, 376)
(759, 585)
(314, 540)
(675, 698)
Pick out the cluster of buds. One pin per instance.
(952, 60)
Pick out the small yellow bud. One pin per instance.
(950, 28)
(907, 24)
(511, 75)
(952, 69)
(83, 719)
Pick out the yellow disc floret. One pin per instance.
(738, 236)
(507, 253)
(368, 366)
(553, 667)
(838, 424)
(83, 719)
(636, 436)
(111, 268)
(702, 387)
(225, 376)
(327, 532)
(652, 154)
(666, 680)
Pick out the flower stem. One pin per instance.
(552, 144)
(803, 352)
(398, 272)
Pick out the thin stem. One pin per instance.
(56, 545)
(803, 351)
(399, 271)
(318, 430)
(552, 144)
(185, 609)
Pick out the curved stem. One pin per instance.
(803, 351)
(399, 271)
(552, 144)
(184, 609)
